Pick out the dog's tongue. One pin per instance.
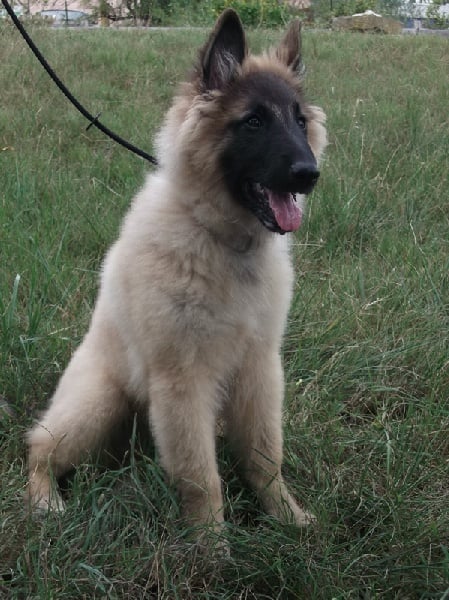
(287, 213)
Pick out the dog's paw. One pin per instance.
(42, 505)
(303, 518)
(209, 542)
(55, 505)
(288, 511)
(215, 547)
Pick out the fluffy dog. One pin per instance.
(195, 292)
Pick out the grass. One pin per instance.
(366, 350)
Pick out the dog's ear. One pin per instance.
(224, 51)
(289, 50)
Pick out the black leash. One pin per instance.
(93, 120)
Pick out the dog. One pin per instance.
(195, 292)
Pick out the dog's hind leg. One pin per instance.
(86, 406)
(254, 428)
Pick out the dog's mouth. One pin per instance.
(279, 212)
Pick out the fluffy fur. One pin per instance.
(195, 292)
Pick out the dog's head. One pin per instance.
(267, 160)
(247, 124)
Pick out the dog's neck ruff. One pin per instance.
(234, 236)
(239, 240)
(240, 244)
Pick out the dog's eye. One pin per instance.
(300, 119)
(302, 122)
(253, 122)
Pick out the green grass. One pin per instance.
(366, 351)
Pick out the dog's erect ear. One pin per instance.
(223, 52)
(289, 50)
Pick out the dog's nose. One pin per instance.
(305, 176)
(307, 173)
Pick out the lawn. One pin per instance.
(366, 351)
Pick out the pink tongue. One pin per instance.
(287, 213)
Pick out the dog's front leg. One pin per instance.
(183, 414)
(255, 430)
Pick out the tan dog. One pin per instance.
(195, 292)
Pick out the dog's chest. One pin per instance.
(257, 295)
